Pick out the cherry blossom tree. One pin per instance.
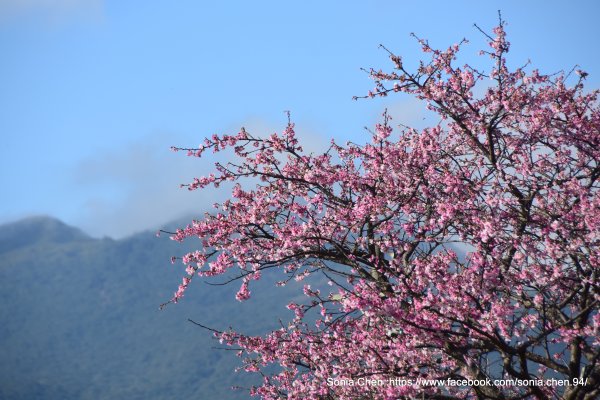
(465, 252)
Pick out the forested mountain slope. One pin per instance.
(80, 318)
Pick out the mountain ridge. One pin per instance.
(35, 229)
(80, 318)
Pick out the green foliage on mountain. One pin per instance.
(80, 319)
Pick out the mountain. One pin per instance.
(80, 319)
(35, 231)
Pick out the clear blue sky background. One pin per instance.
(93, 93)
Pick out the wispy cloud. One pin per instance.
(412, 113)
(137, 188)
(51, 10)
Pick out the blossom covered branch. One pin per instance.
(465, 250)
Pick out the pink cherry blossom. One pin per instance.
(467, 250)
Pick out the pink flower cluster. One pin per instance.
(469, 250)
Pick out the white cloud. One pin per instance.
(413, 113)
(52, 10)
(137, 188)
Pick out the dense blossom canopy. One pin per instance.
(468, 250)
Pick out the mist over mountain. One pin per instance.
(80, 318)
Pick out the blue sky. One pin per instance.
(93, 93)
